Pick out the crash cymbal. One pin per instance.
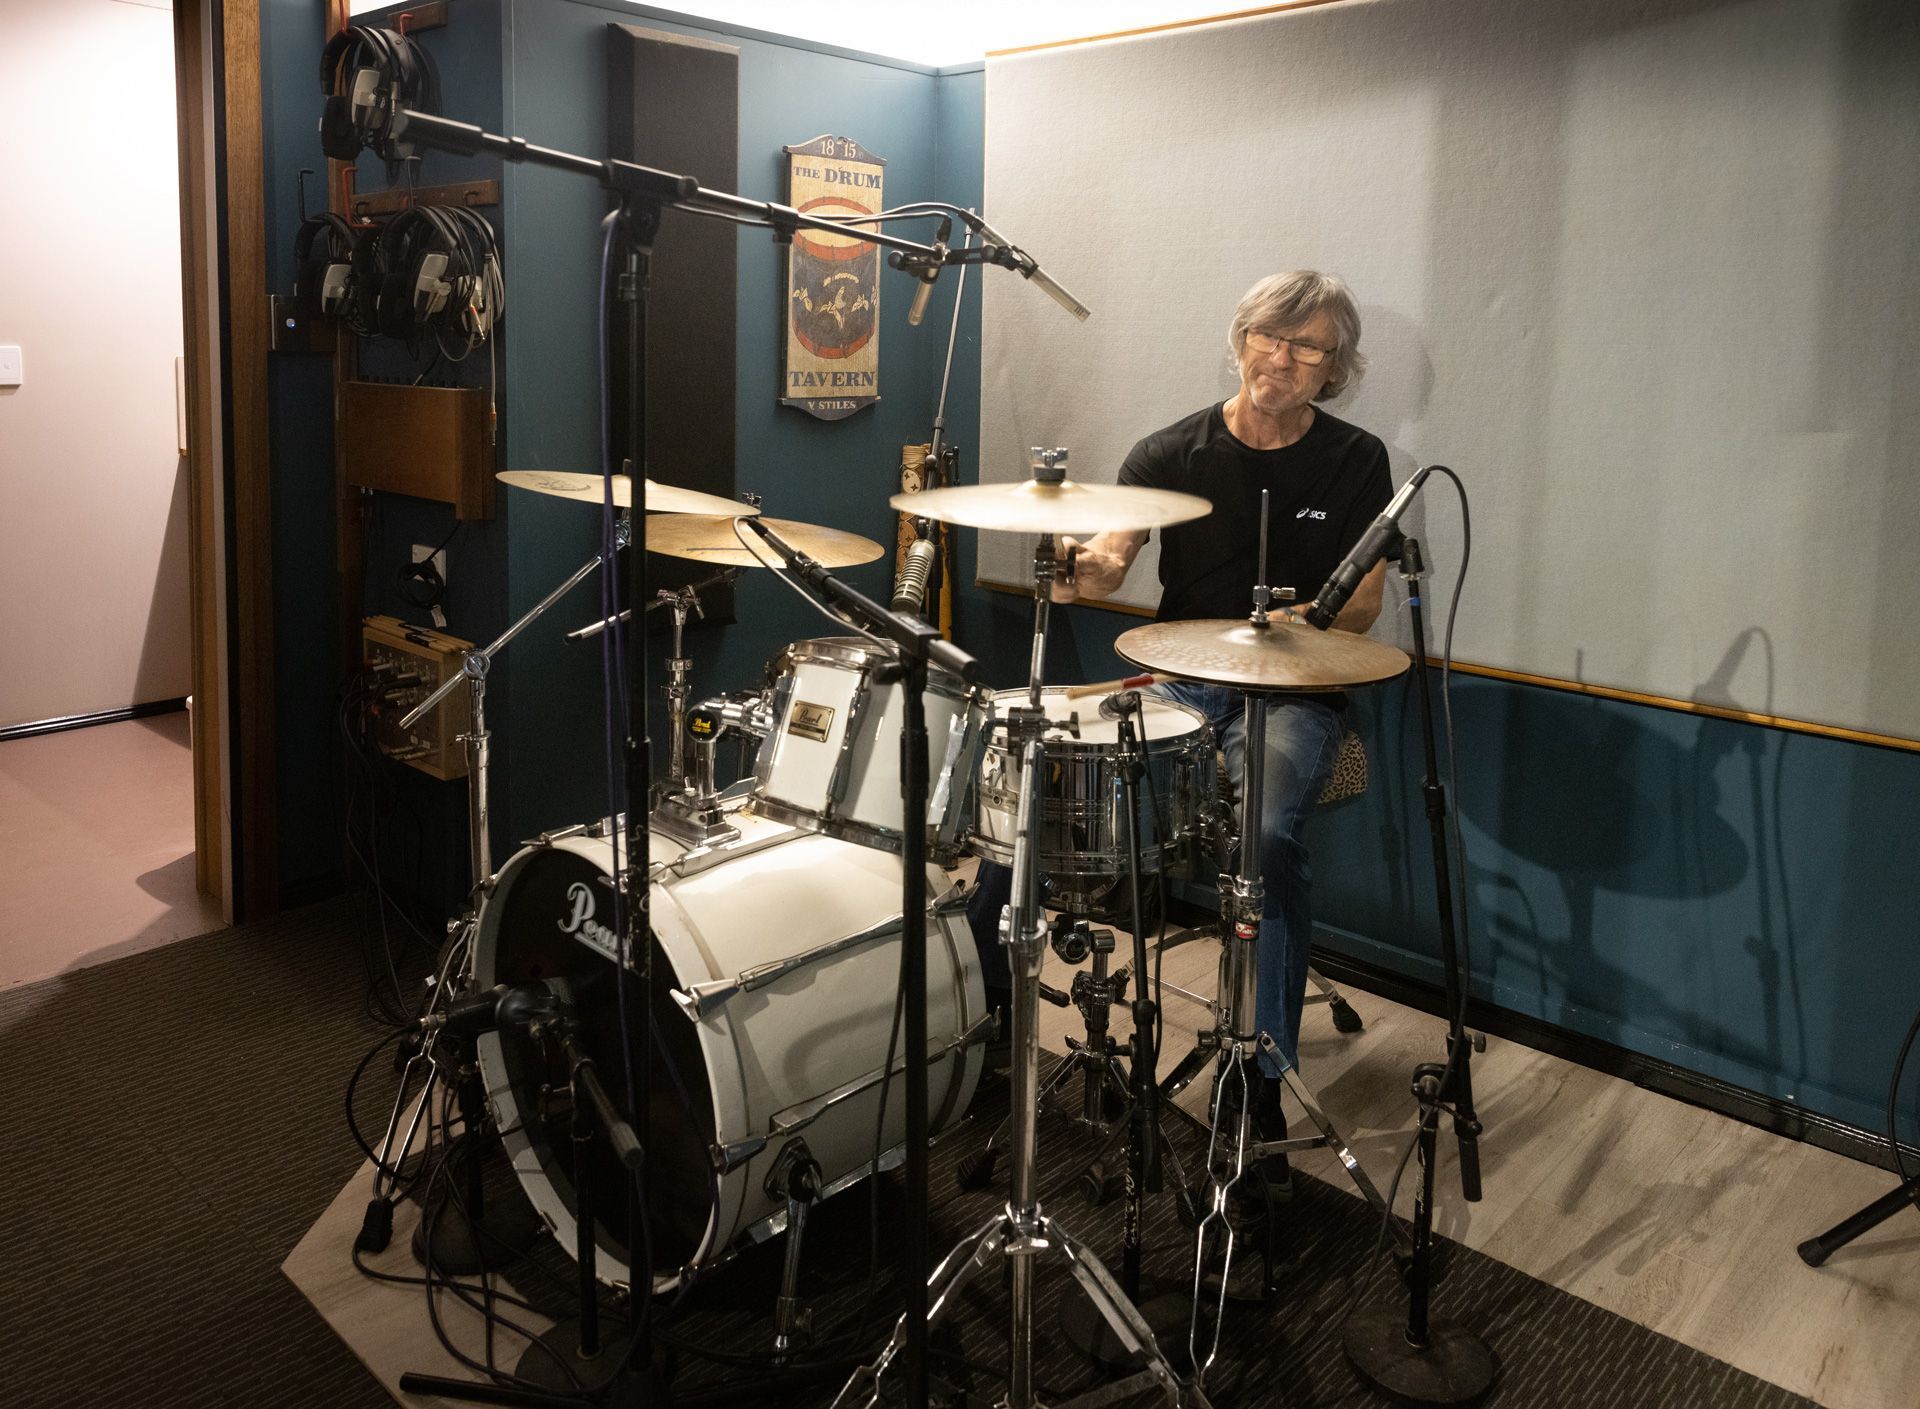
(1028, 506)
(661, 498)
(1283, 656)
(709, 538)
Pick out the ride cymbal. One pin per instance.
(1028, 506)
(1281, 656)
(587, 489)
(710, 539)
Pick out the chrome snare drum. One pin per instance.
(831, 762)
(1082, 830)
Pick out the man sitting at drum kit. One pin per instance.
(1295, 340)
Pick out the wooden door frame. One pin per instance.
(224, 292)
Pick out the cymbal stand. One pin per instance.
(474, 668)
(1022, 1232)
(1238, 1040)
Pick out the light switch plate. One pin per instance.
(12, 368)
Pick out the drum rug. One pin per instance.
(1552, 1348)
(176, 1127)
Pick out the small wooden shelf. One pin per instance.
(430, 442)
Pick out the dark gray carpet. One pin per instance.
(176, 1127)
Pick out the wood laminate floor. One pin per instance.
(1678, 1218)
(97, 828)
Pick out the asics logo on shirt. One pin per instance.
(1311, 514)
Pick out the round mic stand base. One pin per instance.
(1164, 1306)
(1453, 1367)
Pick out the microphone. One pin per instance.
(918, 308)
(910, 587)
(1120, 704)
(1376, 543)
(496, 1008)
(1028, 268)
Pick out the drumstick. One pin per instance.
(1109, 687)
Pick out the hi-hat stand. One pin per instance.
(1023, 1232)
(1236, 1042)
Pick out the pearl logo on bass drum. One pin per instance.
(581, 924)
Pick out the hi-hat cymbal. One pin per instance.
(1282, 656)
(587, 489)
(1028, 506)
(710, 539)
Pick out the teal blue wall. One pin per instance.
(839, 473)
(1735, 899)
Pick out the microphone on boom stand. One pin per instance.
(910, 585)
(1381, 540)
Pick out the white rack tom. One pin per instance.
(831, 762)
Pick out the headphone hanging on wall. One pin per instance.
(435, 270)
(325, 255)
(368, 75)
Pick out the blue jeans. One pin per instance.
(1303, 739)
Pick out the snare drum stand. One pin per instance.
(1022, 1232)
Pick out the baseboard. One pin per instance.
(82, 721)
(1751, 1107)
(310, 890)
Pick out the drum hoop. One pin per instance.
(1069, 747)
(940, 850)
(857, 654)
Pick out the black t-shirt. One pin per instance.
(1324, 490)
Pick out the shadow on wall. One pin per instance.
(165, 668)
(1593, 823)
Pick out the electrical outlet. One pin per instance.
(423, 551)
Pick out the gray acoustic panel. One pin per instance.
(1645, 275)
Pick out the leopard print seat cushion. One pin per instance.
(1348, 779)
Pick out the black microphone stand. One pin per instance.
(644, 193)
(593, 1110)
(919, 645)
(1416, 1360)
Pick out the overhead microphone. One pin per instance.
(1376, 543)
(910, 587)
(1028, 268)
(918, 308)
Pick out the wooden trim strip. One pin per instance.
(484, 192)
(1580, 687)
(1170, 25)
(243, 217)
(1608, 692)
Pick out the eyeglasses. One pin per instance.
(1305, 353)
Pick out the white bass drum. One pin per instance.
(776, 962)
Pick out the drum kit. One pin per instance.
(777, 921)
